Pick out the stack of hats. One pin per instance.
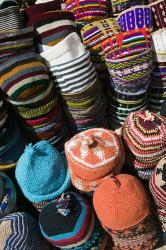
(92, 156)
(11, 18)
(70, 223)
(7, 195)
(75, 77)
(157, 89)
(12, 139)
(144, 135)
(128, 56)
(124, 210)
(51, 24)
(87, 11)
(159, 13)
(118, 6)
(94, 35)
(15, 42)
(25, 80)
(157, 187)
(21, 231)
(42, 173)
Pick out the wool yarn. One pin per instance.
(136, 17)
(7, 195)
(159, 13)
(69, 223)
(87, 11)
(42, 173)
(144, 134)
(92, 156)
(20, 231)
(124, 210)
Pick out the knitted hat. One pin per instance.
(144, 134)
(159, 46)
(92, 156)
(120, 5)
(70, 223)
(123, 208)
(7, 195)
(86, 11)
(159, 13)
(157, 184)
(137, 17)
(42, 172)
(20, 231)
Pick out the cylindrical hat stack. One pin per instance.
(92, 156)
(12, 139)
(25, 80)
(144, 135)
(42, 173)
(75, 77)
(157, 89)
(7, 195)
(128, 56)
(70, 223)
(51, 24)
(94, 35)
(157, 187)
(124, 210)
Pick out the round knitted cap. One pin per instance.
(67, 222)
(121, 202)
(42, 172)
(92, 155)
(7, 195)
(144, 134)
(158, 183)
(21, 231)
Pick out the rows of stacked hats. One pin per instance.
(69, 70)
(26, 83)
(157, 90)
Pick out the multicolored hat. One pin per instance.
(92, 156)
(20, 231)
(124, 210)
(136, 17)
(157, 184)
(120, 5)
(159, 13)
(144, 134)
(42, 172)
(7, 195)
(87, 11)
(69, 223)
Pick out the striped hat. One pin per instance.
(121, 5)
(69, 223)
(158, 45)
(124, 210)
(87, 11)
(45, 185)
(7, 195)
(11, 19)
(24, 78)
(157, 184)
(92, 156)
(159, 13)
(40, 8)
(15, 42)
(20, 231)
(136, 17)
(144, 134)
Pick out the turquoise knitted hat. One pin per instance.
(42, 172)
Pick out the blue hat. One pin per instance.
(20, 231)
(42, 172)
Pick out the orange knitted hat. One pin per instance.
(121, 202)
(93, 155)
